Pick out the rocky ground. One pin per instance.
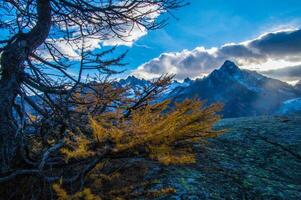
(257, 158)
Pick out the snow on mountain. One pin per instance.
(243, 92)
(134, 85)
(138, 85)
(174, 88)
(298, 86)
(290, 106)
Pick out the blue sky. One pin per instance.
(212, 23)
(261, 35)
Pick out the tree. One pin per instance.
(84, 137)
(110, 158)
(35, 27)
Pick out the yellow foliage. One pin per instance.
(158, 129)
(166, 155)
(157, 132)
(97, 130)
(77, 147)
(61, 193)
(33, 118)
(85, 194)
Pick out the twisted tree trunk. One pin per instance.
(12, 70)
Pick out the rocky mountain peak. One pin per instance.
(228, 70)
(230, 67)
(187, 80)
(133, 81)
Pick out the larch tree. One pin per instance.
(86, 138)
(32, 61)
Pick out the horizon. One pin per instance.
(292, 83)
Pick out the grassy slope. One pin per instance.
(258, 158)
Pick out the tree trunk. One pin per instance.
(12, 69)
(8, 90)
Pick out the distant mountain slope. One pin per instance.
(134, 82)
(243, 92)
(298, 85)
(138, 85)
(291, 106)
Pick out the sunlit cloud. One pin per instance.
(269, 51)
(126, 35)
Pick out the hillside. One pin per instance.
(257, 158)
(290, 106)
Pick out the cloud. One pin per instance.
(130, 36)
(269, 51)
(289, 74)
(70, 49)
(279, 44)
(126, 34)
(132, 32)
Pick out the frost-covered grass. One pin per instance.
(257, 158)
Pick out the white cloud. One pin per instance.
(127, 33)
(133, 34)
(272, 50)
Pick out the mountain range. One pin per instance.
(242, 92)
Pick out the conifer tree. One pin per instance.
(34, 62)
(85, 139)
